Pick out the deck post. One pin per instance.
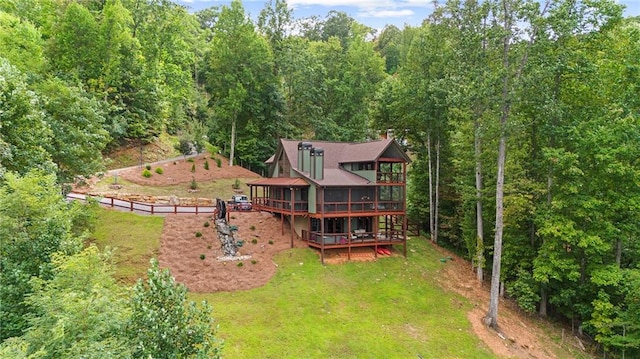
(293, 216)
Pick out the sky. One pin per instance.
(373, 13)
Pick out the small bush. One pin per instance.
(159, 170)
(148, 167)
(206, 224)
(209, 246)
(206, 165)
(236, 184)
(233, 217)
(253, 261)
(190, 160)
(253, 228)
(198, 234)
(254, 241)
(146, 173)
(193, 168)
(175, 163)
(240, 264)
(218, 162)
(194, 184)
(270, 242)
(202, 256)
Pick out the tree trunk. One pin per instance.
(479, 220)
(233, 141)
(436, 192)
(431, 209)
(543, 301)
(492, 316)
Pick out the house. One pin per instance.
(338, 194)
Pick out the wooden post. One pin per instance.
(293, 215)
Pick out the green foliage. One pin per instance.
(240, 264)
(164, 325)
(35, 223)
(159, 170)
(193, 185)
(193, 168)
(254, 241)
(147, 166)
(198, 234)
(83, 306)
(207, 224)
(146, 173)
(218, 162)
(202, 256)
(24, 133)
(206, 165)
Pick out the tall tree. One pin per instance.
(239, 78)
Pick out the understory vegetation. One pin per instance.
(522, 118)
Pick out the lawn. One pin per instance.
(134, 238)
(390, 308)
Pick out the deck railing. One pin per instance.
(281, 205)
(148, 208)
(357, 237)
(361, 207)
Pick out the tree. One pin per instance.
(239, 77)
(35, 223)
(81, 312)
(78, 137)
(164, 325)
(22, 44)
(24, 134)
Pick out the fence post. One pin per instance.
(131, 206)
(152, 208)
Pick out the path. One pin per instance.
(143, 208)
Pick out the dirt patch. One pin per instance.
(184, 171)
(181, 250)
(519, 335)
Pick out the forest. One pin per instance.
(522, 119)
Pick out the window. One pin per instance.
(364, 166)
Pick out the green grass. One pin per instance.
(134, 238)
(220, 188)
(390, 308)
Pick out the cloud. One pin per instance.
(387, 13)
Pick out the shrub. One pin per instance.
(194, 184)
(253, 261)
(270, 242)
(236, 184)
(240, 264)
(253, 228)
(198, 234)
(193, 167)
(146, 173)
(218, 162)
(190, 160)
(159, 170)
(209, 246)
(206, 165)
(148, 167)
(206, 224)
(202, 256)
(254, 241)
